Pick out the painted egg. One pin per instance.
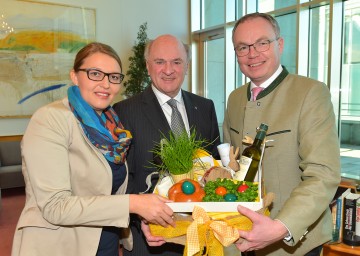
(230, 197)
(188, 188)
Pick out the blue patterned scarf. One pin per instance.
(105, 132)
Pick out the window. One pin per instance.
(214, 73)
(270, 5)
(350, 92)
(322, 41)
(213, 13)
(240, 8)
(319, 43)
(287, 25)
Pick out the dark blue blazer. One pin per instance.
(143, 116)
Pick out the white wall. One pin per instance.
(117, 24)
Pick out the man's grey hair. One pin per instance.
(150, 42)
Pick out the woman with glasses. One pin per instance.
(74, 166)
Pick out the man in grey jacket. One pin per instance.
(301, 164)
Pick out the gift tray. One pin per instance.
(221, 206)
(215, 207)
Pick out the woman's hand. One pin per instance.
(150, 239)
(152, 208)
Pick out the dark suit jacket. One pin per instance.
(143, 116)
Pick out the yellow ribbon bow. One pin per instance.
(210, 230)
(199, 229)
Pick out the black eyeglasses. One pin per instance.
(259, 46)
(97, 75)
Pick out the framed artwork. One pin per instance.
(38, 44)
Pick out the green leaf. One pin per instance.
(177, 153)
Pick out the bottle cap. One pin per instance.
(263, 127)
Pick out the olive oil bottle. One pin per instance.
(250, 158)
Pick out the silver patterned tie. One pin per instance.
(177, 123)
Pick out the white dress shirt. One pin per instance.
(267, 82)
(163, 98)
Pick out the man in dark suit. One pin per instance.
(148, 116)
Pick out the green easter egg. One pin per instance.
(188, 188)
(230, 197)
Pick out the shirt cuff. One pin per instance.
(289, 236)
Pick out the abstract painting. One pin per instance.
(38, 44)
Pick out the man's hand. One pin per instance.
(150, 239)
(265, 231)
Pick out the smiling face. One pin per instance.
(258, 66)
(98, 94)
(167, 64)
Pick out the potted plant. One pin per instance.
(137, 76)
(176, 155)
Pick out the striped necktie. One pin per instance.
(177, 123)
